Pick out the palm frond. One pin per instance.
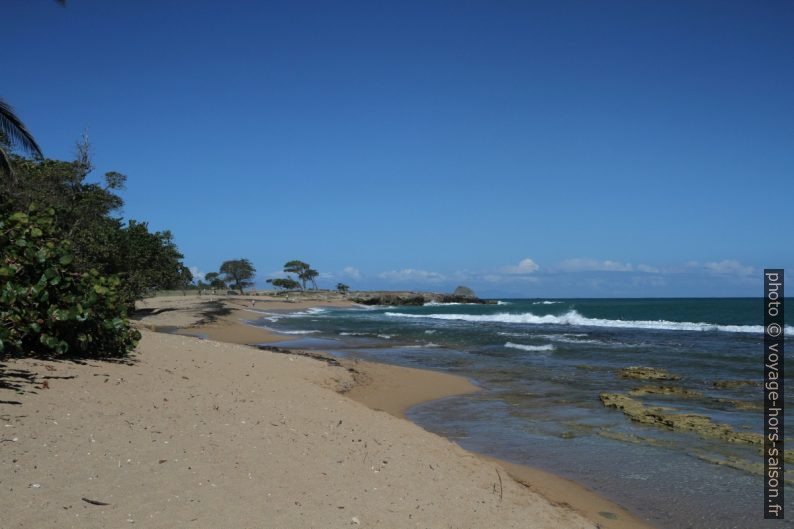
(5, 164)
(16, 132)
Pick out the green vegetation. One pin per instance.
(285, 283)
(70, 267)
(304, 272)
(47, 306)
(213, 280)
(342, 288)
(85, 216)
(238, 273)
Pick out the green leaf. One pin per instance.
(18, 217)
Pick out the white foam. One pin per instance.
(523, 347)
(421, 346)
(296, 332)
(574, 318)
(546, 302)
(568, 338)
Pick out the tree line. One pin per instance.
(238, 274)
(70, 267)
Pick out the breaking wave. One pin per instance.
(523, 347)
(575, 319)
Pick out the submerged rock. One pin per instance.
(689, 422)
(646, 373)
(741, 404)
(665, 390)
(731, 384)
(741, 464)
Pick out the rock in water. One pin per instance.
(464, 292)
(646, 373)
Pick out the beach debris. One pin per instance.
(646, 373)
(355, 521)
(94, 502)
(608, 515)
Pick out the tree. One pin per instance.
(147, 261)
(284, 282)
(14, 134)
(303, 271)
(309, 276)
(85, 216)
(214, 280)
(342, 288)
(238, 272)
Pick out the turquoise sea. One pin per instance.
(542, 365)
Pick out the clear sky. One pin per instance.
(523, 148)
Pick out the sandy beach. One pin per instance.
(198, 432)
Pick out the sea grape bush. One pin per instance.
(49, 308)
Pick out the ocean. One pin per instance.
(543, 365)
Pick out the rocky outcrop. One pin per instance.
(464, 292)
(661, 417)
(665, 390)
(646, 373)
(412, 298)
(732, 384)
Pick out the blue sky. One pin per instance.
(547, 148)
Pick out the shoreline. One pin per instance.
(389, 390)
(395, 389)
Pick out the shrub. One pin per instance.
(47, 307)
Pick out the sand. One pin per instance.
(199, 433)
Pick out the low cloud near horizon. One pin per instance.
(572, 277)
(582, 277)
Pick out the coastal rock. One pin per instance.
(464, 292)
(740, 464)
(742, 404)
(412, 298)
(665, 390)
(732, 384)
(646, 373)
(661, 417)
